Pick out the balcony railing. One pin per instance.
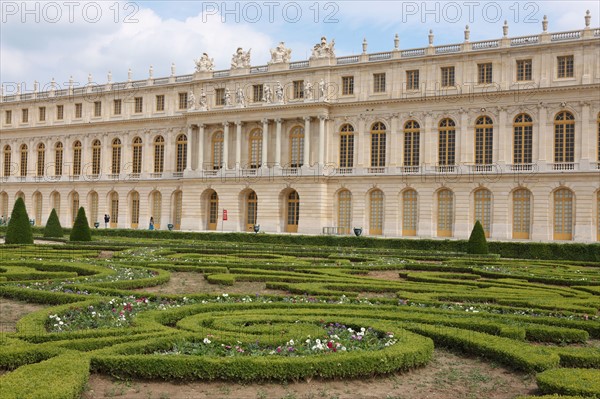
(445, 168)
(156, 175)
(410, 169)
(521, 167)
(563, 166)
(376, 170)
(177, 175)
(344, 171)
(482, 168)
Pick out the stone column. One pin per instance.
(322, 119)
(460, 137)
(278, 142)
(501, 136)
(583, 149)
(265, 142)
(188, 163)
(201, 128)
(225, 144)
(146, 153)
(539, 139)
(168, 164)
(393, 141)
(238, 145)
(126, 153)
(360, 150)
(306, 160)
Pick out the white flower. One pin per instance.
(206, 341)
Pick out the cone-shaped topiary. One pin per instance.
(81, 229)
(53, 227)
(477, 242)
(19, 228)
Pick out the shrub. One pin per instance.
(477, 243)
(19, 228)
(584, 382)
(81, 229)
(53, 227)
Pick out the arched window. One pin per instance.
(251, 210)
(255, 149)
(41, 159)
(563, 214)
(114, 209)
(292, 212)
(4, 211)
(93, 208)
(156, 202)
(445, 213)
(135, 210)
(58, 159)
(96, 153)
(484, 140)
(344, 212)
(564, 137)
(74, 206)
(521, 213)
(411, 143)
(77, 158)
(37, 202)
(55, 201)
(376, 213)
(522, 139)
(137, 156)
(378, 139)
(217, 150)
(24, 151)
(213, 211)
(177, 209)
(116, 157)
(297, 147)
(182, 143)
(409, 213)
(483, 209)
(447, 142)
(21, 195)
(159, 155)
(347, 146)
(7, 160)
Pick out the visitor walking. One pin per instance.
(151, 223)
(106, 220)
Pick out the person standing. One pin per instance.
(151, 223)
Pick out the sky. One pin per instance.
(42, 40)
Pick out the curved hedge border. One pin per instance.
(584, 382)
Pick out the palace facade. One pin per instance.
(414, 143)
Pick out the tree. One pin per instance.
(19, 228)
(53, 227)
(81, 229)
(477, 242)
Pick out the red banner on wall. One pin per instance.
(224, 214)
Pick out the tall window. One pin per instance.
(97, 108)
(38, 202)
(447, 142)
(251, 210)
(484, 140)
(25, 115)
(58, 159)
(114, 209)
(138, 105)
(77, 158)
(445, 213)
(93, 208)
(448, 76)
(255, 148)
(182, 144)
(60, 112)
(217, 150)
(297, 147)
(78, 110)
(344, 212)
(4, 205)
(117, 107)
(156, 211)
(219, 96)
(521, 213)
(378, 145)
(55, 200)
(484, 73)
(564, 137)
(160, 102)
(177, 209)
(298, 89)
(565, 67)
(116, 157)
(409, 213)
(135, 210)
(523, 70)
(183, 100)
(8, 117)
(292, 212)
(347, 85)
(563, 214)
(96, 152)
(257, 93)
(412, 80)
(522, 139)
(411, 143)
(24, 151)
(347, 146)
(379, 82)
(137, 156)
(74, 206)
(376, 213)
(7, 160)
(42, 115)
(213, 211)
(483, 209)
(159, 154)
(41, 159)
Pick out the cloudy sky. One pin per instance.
(41, 40)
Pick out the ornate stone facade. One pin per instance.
(414, 143)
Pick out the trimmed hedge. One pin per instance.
(477, 243)
(19, 227)
(584, 382)
(53, 227)
(81, 228)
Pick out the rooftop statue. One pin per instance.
(280, 54)
(240, 59)
(204, 63)
(323, 49)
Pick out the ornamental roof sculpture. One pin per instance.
(240, 59)
(323, 49)
(280, 54)
(204, 63)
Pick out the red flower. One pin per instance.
(329, 344)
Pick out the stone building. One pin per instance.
(415, 143)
